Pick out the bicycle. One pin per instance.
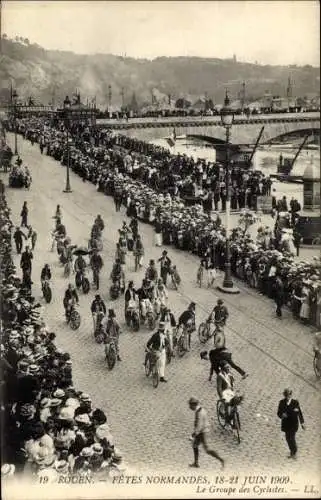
(234, 418)
(96, 278)
(73, 318)
(183, 340)
(317, 363)
(175, 277)
(46, 291)
(98, 332)
(67, 269)
(137, 259)
(132, 318)
(110, 352)
(151, 367)
(316, 240)
(205, 331)
(82, 281)
(114, 290)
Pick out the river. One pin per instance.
(265, 159)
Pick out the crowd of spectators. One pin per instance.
(50, 428)
(151, 183)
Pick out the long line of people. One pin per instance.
(148, 180)
(51, 428)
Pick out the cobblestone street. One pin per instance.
(151, 427)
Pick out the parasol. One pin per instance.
(81, 251)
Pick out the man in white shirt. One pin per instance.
(200, 433)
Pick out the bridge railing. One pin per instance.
(172, 122)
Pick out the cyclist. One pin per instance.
(168, 318)
(134, 227)
(225, 388)
(130, 296)
(59, 232)
(157, 343)
(161, 296)
(151, 272)
(97, 306)
(66, 251)
(187, 321)
(165, 265)
(112, 331)
(45, 274)
(70, 298)
(96, 263)
(99, 223)
(80, 264)
(144, 298)
(116, 273)
(139, 250)
(220, 355)
(219, 314)
(58, 213)
(200, 273)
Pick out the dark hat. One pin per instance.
(99, 416)
(193, 401)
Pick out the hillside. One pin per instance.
(43, 74)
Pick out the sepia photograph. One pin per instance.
(160, 249)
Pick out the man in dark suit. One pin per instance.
(289, 412)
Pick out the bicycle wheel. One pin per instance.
(99, 337)
(236, 425)
(135, 322)
(168, 355)
(317, 365)
(85, 285)
(128, 318)
(220, 410)
(155, 375)
(78, 279)
(74, 320)
(316, 241)
(181, 346)
(203, 332)
(47, 293)
(151, 321)
(111, 357)
(114, 292)
(67, 270)
(148, 367)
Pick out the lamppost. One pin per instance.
(227, 118)
(14, 101)
(67, 104)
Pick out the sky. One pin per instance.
(269, 32)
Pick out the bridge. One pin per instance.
(244, 131)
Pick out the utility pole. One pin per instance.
(0, 26)
(122, 93)
(109, 97)
(242, 96)
(289, 92)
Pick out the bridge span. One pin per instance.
(244, 130)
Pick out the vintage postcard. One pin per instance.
(160, 249)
